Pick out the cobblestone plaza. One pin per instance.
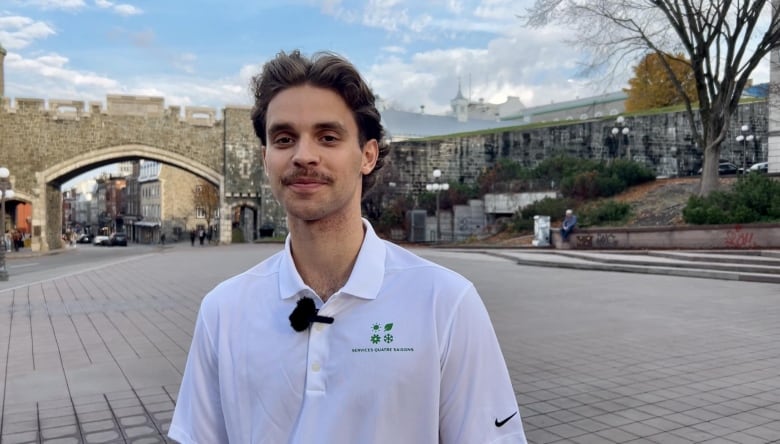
(595, 356)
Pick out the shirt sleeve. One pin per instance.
(477, 401)
(198, 417)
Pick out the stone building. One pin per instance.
(111, 204)
(166, 204)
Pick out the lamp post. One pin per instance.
(5, 193)
(436, 187)
(620, 131)
(743, 139)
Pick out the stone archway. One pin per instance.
(47, 198)
(245, 217)
(17, 214)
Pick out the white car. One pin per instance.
(761, 167)
(100, 239)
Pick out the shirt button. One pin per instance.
(315, 367)
(319, 327)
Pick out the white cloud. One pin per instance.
(54, 4)
(500, 9)
(121, 9)
(53, 68)
(185, 62)
(18, 32)
(127, 10)
(394, 49)
(531, 64)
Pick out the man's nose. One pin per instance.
(306, 152)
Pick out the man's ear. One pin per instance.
(370, 156)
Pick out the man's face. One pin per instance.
(313, 159)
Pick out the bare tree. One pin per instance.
(723, 40)
(206, 197)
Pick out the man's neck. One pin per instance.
(325, 252)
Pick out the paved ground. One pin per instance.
(595, 356)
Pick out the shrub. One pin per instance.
(606, 212)
(629, 173)
(754, 198)
(560, 167)
(605, 181)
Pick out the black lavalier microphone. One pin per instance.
(305, 313)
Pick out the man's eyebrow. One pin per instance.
(335, 126)
(279, 127)
(287, 127)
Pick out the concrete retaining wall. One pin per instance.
(752, 236)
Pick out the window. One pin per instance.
(200, 213)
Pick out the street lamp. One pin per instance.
(5, 193)
(622, 131)
(744, 138)
(436, 187)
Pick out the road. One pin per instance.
(24, 269)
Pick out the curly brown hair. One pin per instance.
(323, 70)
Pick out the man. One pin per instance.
(400, 350)
(567, 226)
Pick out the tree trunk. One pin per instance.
(709, 171)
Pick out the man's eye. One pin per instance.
(283, 140)
(330, 138)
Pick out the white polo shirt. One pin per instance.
(410, 358)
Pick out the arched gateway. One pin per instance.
(51, 178)
(45, 146)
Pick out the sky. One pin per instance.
(204, 52)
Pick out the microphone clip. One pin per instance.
(305, 313)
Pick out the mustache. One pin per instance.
(305, 174)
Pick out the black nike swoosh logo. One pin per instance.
(500, 423)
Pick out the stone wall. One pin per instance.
(735, 237)
(44, 146)
(247, 185)
(663, 142)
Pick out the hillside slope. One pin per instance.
(656, 203)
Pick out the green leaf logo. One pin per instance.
(389, 326)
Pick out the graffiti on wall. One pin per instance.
(584, 241)
(606, 240)
(739, 238)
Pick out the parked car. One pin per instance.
(84, 238)
(117, 239)
(100, 239)
(725, 168)
(761, 167)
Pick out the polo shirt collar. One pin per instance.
(364, 281)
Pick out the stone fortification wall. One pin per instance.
(46, 144)
(246, 183)
(663, 142)
(39, 137)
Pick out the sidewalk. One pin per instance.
(736, 265)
